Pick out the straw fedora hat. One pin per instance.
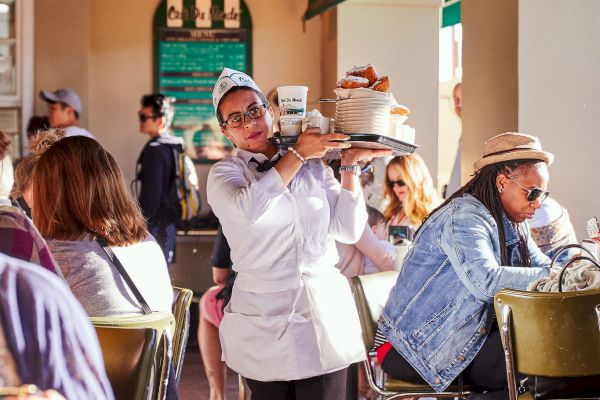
(512, 146)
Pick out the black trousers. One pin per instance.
(487, 371)
(323, 387)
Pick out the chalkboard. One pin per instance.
(193, 41)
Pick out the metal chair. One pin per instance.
(163, 324)
(128, 355)
(241, 387)
(549, 334)
(182, 298)
(370, 295)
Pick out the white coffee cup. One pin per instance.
(292, 101)
(290, 126)
(320, 122)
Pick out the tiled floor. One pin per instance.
(194, 385)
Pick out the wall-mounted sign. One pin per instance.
(193, 41)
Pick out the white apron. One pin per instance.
(296, 345)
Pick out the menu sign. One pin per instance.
(194, 41)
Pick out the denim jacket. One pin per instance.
(440, 311)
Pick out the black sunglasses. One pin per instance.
(534, 193)
(399, 182)
(143, 117)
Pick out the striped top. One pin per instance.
(380, 340)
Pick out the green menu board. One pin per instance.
(188, 60)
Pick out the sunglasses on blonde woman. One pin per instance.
(534, 193)
(398, 183)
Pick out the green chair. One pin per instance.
(370, 295)
(127, 354)
(182, 298)
(549, 334)
(163, 323)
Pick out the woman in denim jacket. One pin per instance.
(439, 320)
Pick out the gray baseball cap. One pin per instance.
(67, 96)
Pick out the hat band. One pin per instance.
(511, 151)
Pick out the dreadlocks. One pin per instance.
(483, 187)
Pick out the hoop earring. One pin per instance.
(500, 190)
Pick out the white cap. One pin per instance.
(228, 79)
(549, 212)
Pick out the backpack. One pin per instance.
(187, 189)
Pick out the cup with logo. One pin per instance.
(292, 109)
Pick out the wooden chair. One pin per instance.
(163, 324)
(370, 295)
(549, 334)
(128, 356)
(182, 298)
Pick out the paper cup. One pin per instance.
(292, 101)
(316, 122)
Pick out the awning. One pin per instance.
(316, 7)
(450, 13)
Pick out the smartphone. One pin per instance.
(399, 233)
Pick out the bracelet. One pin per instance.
(355, 169)
(293, 150)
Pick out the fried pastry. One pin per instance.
(400, 110)
(364, 71)
(353, 82)
(382, 84)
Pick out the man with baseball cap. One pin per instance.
(64, 108)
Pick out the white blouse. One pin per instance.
(291, 315)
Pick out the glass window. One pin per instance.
(8, 51)
(7, 19)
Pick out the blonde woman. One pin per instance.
(38, 144)
(409, 191)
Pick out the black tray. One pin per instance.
(361, 141)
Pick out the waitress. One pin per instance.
(291, 327)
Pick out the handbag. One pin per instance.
(113, 258)
(543, 387)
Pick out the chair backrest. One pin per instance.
(127, 354)
(370, 295)
(553, 334)
(163, 324)
(182, 298)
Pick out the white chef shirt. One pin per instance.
(291, 315)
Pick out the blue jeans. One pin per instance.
(165, 236)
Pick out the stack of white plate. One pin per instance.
(365, 112)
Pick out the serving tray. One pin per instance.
(361, 141)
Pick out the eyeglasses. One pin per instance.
(532, 194)
(143, 117)
(399, 183)
(237, 120)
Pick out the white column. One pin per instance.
(559, 96)
(400, 37)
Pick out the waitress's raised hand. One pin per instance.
(352, 156)
(312, 144)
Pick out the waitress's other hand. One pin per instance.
(312, 144)
(354, 155)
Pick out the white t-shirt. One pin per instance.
(97, 284)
